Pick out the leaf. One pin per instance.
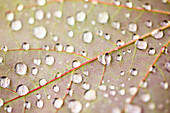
(84, 56)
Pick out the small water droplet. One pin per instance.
(133, 72)
(77, 78)
(10, 16)
(152, 106)
(27, 105)
(116, 2)
(127, 15)
(103, 17)
(31, 20)
(133, 90)
(20, 7)
(105, 59)
(164, 22)
(128, 4)
(164, 85)
(141, 44)
(1, 102)
(84, 53)
(152, 69)
(39, 103)
(41, 2)
(76, 63)
(118, 57)
(122, 91)
(116, 25)
(46, 47)
(167, 66)
(8, 109)
(80, 16)
(151, 51)
(48, 96)
(39, 32)
(100, 33)
(133, 108)
(103, 87)
(120, 43)
(58, 102)
(42, 82)
(135, 36)
(22, 90)
(69, 48)
(58, 14)
(86, 73)
(25, 46)
(145, 97)
(132, 27)
(148, 23)
(49, 60)
(70, 20)
(70, 33)
(86, 86)
(5, 81)
(75, 106)
(157, 34)
(54, 38)
(20, 68)
(107, 36)
(48, 15)
(90, 95)
(34, 71)
(4, 48)
(116, 110)
(143, 84)
(58, 74)
(112, 93)
(1, 59)
(56, 88)
(147, 6)
(122, 73)
(58, 47)
(38, 96)
(16, 25)
(87, 36)
(37, 61)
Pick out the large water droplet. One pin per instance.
(133, 72)
(80, 16)
(58, 102)
(70, 20)
(87, 36)
(145, 97)
(10, 16)
(105, 59)
(76, 63)
(103, 17)
(167, 66)
(141, 44)
(16, 25)
(20, 68)
(22, 90)
(39, 32)
(5, 81)
(39, 103)
(1, 102)
(75, 106)
(157, 34)
(90, 95)
(8, 109)
(77, 78)
(49, 60)
(132, 27)
(133, 108)
(42, 82)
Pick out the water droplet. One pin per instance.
(37, 61)
(20, 68)
(148, 23)
(34, 71)
(133, 72)
(103, 17)
(86, 86)
(116, 2)
(116, 25)
(58, 14)
(22, 90)
(164, 85)
(112, 93)
(42, 82)
(167, 66)
(27, 105)
(8, 109)
(152, 69)
(41, 2)
(54, 38)
(141, 44)
(119, 58)
(128, 4)
(122, 73)
(48, 96)
(76, 63)
(70, 33)
(75, 106)
(10, 16)
(116, 110)
(69, 48)
(120, 43)
(1, 60)
(103, 87)
(80, 16)
(48, 15)
(39, 103)
(135, 36)
(90, 95)
(143, 84)
(1, 102)
(152, 106)
(147, 6)
(105, 59)
(4, 48)
(127, 15)
(58, 74)
(58, 102)
(132, 27)
(133, 90)
(25, 46)
(49, 60)
(38, 96)
(157, 34)
(133, 108)
(5, 81)
(31, 20)
(16, 25)
(77, 78)
(106, 36)
(20, 7)
(56, 88)
(84, 53)
(39, 32)
(145, 97)
(39, 14)
(100, 33)
(46, 47)
(70, 20)
(58, 47)
(86, 73)
(122, 91)
(87, 36)
(151, 51)
(164, 22)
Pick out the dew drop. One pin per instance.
(103, 87)
(54, 38)
(10, 16)
(116, 2)
(69, 48)
(1, 102)
(58, 102)
(116, 110)
(34, 71)
(5, 81)
(39, 103)
(100, 33)
(133, 72)
(105, 59)
(145, 97)
(86, 86)
(147, 6)
(151, 106)
(70, 20)
(133, 90)
(76, 63)
(129, 50)
(38, 96)
(148, 23)
(164, 85)
(122, 73)
(164, 23)
(122, 91)
(151, 51)
(87, 36)
(90, 95)
(75, 106)
(112, 93)
(132, 27)
(4, 48)
(56, 88)
(119, 58)
(58, 14)
(58, 74)
(49, 60)
(120, 43)
(77, 78)
(48, 96)
(133, 108)
(41, 2)
(16, 25)
(116, 25)
(157, 34)
(22, 90)
(141, 44)
(39, 32)
(128, 4)
(106, 36)
(31, 20)
(20, 7)
(8, 109)
(27, 105)
(39, 14)
(135, 36)
(70, 33)
(80, 16)
(103, 17)
(58, 47)
(86, 73)
(42, 82)
(167, 66)
(37, 61)
(1, 59)
(20, 68)
(84, 53)
(152, 69)
(143, 84)
(25, 46)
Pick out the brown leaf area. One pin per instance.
(116, 89)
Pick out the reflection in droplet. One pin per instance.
(20, 68)
(103, 17)
(39, 32)
(77, 78)
(58, 102)
(87, 36)
(39, 103)
(49, 60)
(5, 82)
(75, 106)
(90, 95)
(141, 44)
(133, 72)
(16, 25)
(22, 90)
(105, 59)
